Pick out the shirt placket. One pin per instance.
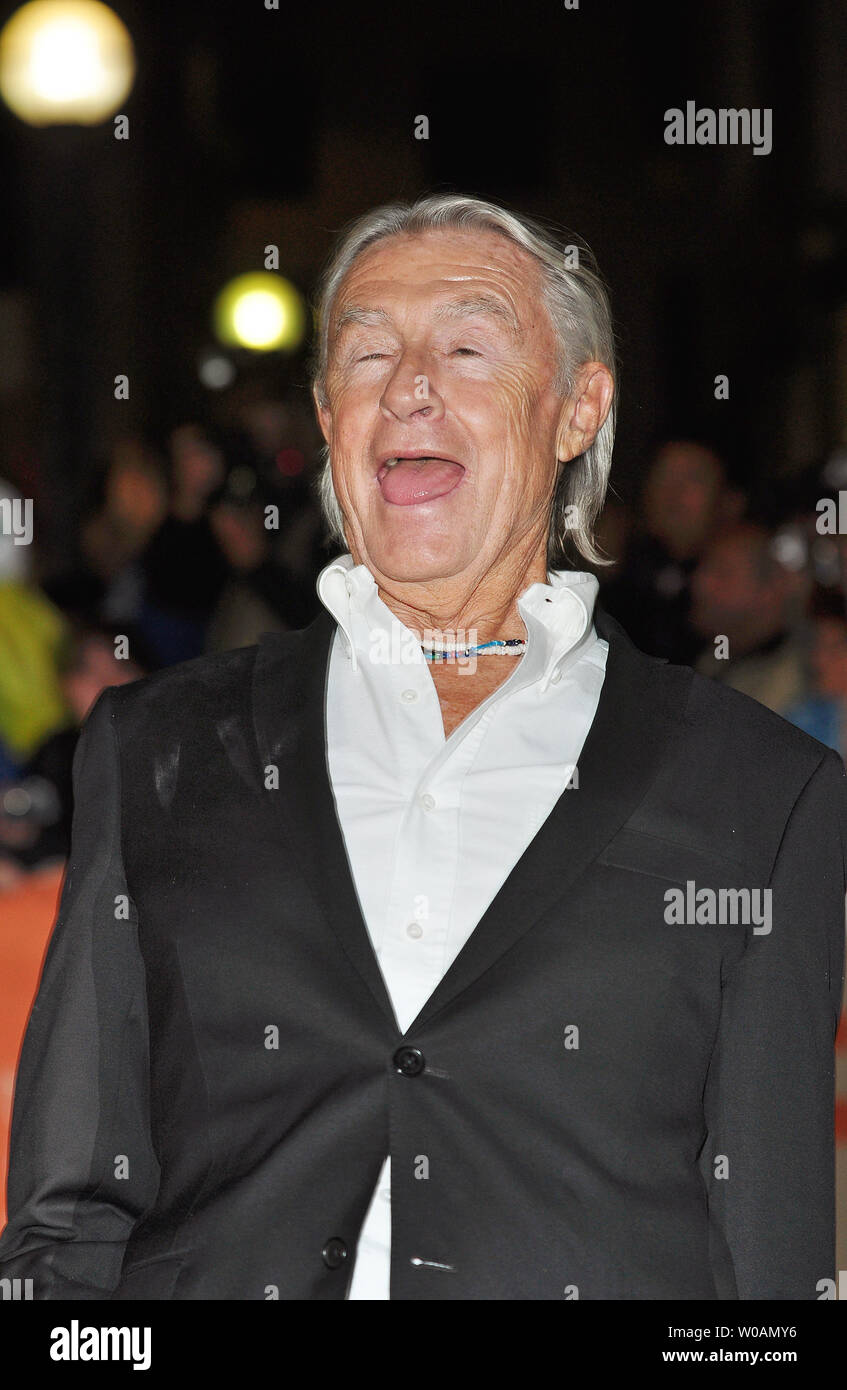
(423, 887)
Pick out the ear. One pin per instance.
(584, 413)
(324, 417)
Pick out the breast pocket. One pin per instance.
(648, 854)
(696, 886)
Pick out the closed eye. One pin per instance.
(465, 352)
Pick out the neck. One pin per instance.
(487, 605)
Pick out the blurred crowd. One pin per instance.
(216, 537)
(749, 588)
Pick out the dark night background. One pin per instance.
(250, 126)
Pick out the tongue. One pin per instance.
(419, 480)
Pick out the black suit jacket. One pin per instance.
(611, 1105)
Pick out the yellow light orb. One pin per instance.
(65, 62)
(260, 311)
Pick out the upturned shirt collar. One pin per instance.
(558, 616)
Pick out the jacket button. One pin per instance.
(409, 1061)
(334, 1252)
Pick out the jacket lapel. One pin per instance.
(638, 716)
(289, 703)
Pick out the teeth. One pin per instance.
(392, 463)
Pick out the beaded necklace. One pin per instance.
(449, 651)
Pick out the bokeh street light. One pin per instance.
(65, 62)
(66, 68)
(260, 311)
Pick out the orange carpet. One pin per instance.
(27, 912)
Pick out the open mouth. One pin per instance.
(405, 481)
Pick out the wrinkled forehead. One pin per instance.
(438, 265)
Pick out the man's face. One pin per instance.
(440, 347)
(730, 594)
(724, 585)
(682, 495)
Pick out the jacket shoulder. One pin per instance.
(735, 773)
(185, 686)
(192, 692)
(748, 730)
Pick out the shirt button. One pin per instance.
(428, 802)
(409, 696)
(409, 1061)
(415, 930)
(334, 1252)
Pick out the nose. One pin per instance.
(410, 392)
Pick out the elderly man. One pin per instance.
(450, 948)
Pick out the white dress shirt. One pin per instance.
(434, 826)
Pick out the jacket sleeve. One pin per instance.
(769, 1097)
(82, 1167)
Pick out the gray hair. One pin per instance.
(577, 302)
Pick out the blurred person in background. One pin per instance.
(261, 593)
(742, 593)
(685, 500)
(135, 503)
(134, 507)
(184, 570)
(36, 806)
(823, 713)
(31, 633)
(287, 444)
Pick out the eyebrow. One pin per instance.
(478, 304)
(465, 307)
(355, 313)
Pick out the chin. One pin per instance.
(417, 560)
